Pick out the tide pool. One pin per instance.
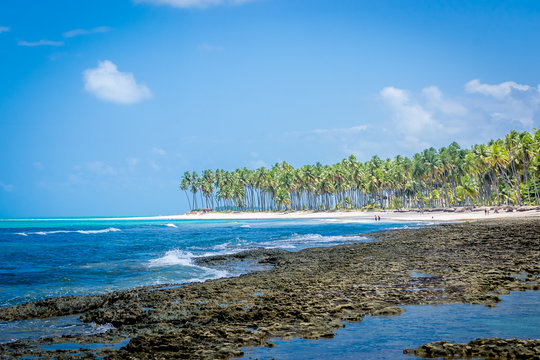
(385, 337)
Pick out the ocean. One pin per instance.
(48, 258)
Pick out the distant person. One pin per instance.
(485, 211)
(375, 217)
(378, 218)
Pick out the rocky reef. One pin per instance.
(480, 348)
(306, 294)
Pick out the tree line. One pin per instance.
(504, 171)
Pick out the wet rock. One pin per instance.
(390, 310)
(493, 348)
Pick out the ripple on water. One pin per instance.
(385, 337)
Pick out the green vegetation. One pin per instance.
(505, 171)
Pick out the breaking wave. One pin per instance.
(173, 257)
(43, 233)
(301, 241)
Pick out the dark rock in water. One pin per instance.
(493, 348)
(271, 256)
(390, 310)
(306, 294)
(67, 305)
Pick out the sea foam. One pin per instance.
(171, 225)
(43, 233)
(308, 240)
(173, 257)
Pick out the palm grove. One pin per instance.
(504, 171)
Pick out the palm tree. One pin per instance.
(505, 169)
(185, 183)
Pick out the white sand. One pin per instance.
(385, 216)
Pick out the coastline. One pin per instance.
(307, 294)
(391, 215)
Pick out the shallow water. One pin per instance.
(35, 329)
(385, 337)
(48, 258)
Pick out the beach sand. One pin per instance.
(428, 215)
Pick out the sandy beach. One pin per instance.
(391, 215)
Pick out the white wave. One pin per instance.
(245, 226)
(301, 240)
(223, 246)
(171, 225)
(100, 329)
(43, 233)
(173, 257)
(213, 274)
(111, 229)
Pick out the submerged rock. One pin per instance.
(493, 348)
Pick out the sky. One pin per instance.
(104, 104)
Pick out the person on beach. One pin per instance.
(375, 217)
(378, 218)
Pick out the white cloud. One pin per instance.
(40, 43)
(337, 131)
(256, 164)
(411, 117)
(154, 165)
(4, 29)
(77, 32)
(438, 102)
(498, 91)
(6, 187)
(193, 3)
(132, 162)
(329, 132)
(107, 83)
(508, 101)
(100, 168)
(159, 151)
(482, 112)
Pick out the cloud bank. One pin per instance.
(193, 3)
(107, 83)
(411, 121)
(4, 29)
(40, 43)
(6, 187)
(484, 111)
(78, 32)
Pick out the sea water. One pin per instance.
(385, 337)
(48, 258)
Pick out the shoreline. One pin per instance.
(307, 294)
(460, 214)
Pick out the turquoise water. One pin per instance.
(47, 258)
(385, 337)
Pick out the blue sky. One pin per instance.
(104, 104)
